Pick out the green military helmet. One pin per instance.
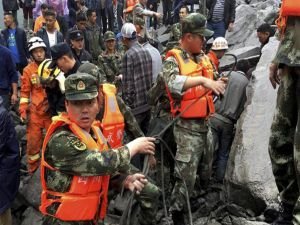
(81, 86)
(139, 21)
(93, 70)
(109, 35)
(195, 23)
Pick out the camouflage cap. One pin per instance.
(195, 23)
(109, 35)
(139, 21)
(81, 86)
(93, 70)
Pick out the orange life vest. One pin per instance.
(214, 60)
(130, 5)
(204, 106)
(112, 124)
(288, 8)
(87, 196)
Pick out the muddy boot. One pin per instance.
(285, 215)
(178, 218)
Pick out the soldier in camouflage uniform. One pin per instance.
(140, 11)
(284, 142)
(70, 157)
(149, 208)
(110, 61)
(190, 134)
(176, 29)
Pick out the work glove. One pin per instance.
(23, 112)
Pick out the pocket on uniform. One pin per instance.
(183, 154)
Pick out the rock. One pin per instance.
(32, 216)
(248, 19)
(243, 221)
(249, 178)
(31, 189)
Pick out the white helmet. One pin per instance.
(36, 42)
(219, 43)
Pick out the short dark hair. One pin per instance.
(50, 13)
(44, 6)
(90, 12)
(266, 28)
(80, 17)
(9, 13)
(186, 8)
(243, 65)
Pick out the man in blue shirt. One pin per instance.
(16, 41)
(8, 78)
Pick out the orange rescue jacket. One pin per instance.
(112, 124)
(204, 106)
(214, 59)
(32, 91)
(288, 8)
(87, 197)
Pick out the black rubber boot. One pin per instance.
(178, 218)
(285, 215)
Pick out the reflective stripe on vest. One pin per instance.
(204, 106)
(87, 195)
(112, 124)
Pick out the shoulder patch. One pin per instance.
(77, 144)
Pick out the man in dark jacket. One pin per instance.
(16, 41)
(9, 165)
(8, 78)
(77, 46)
(221, 16)
(11, 6)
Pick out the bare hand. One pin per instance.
(218, 87)
(135, 182)
(152, 161)
(142, 145)
(14, 99)
(274, 74)
(157, 15)
(230, 27)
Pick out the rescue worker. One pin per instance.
(34, 109)
(140, 10)
(176, 29)
(217, 51)
(76, 160)
(188, 75)
(284, 141)
(116, 117)
(128, 10)
(52, 80)
(110, 61)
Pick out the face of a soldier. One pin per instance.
(83, 112)
(81, 25)
(196, 43)
(38, 54)
(93, 18)
(110, 45)
(77, 44)
(182, 13)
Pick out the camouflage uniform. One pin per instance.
(110, 64)
(190, 134)
(148, 199)
(94, 37)
(284, 145)
(175, 37)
